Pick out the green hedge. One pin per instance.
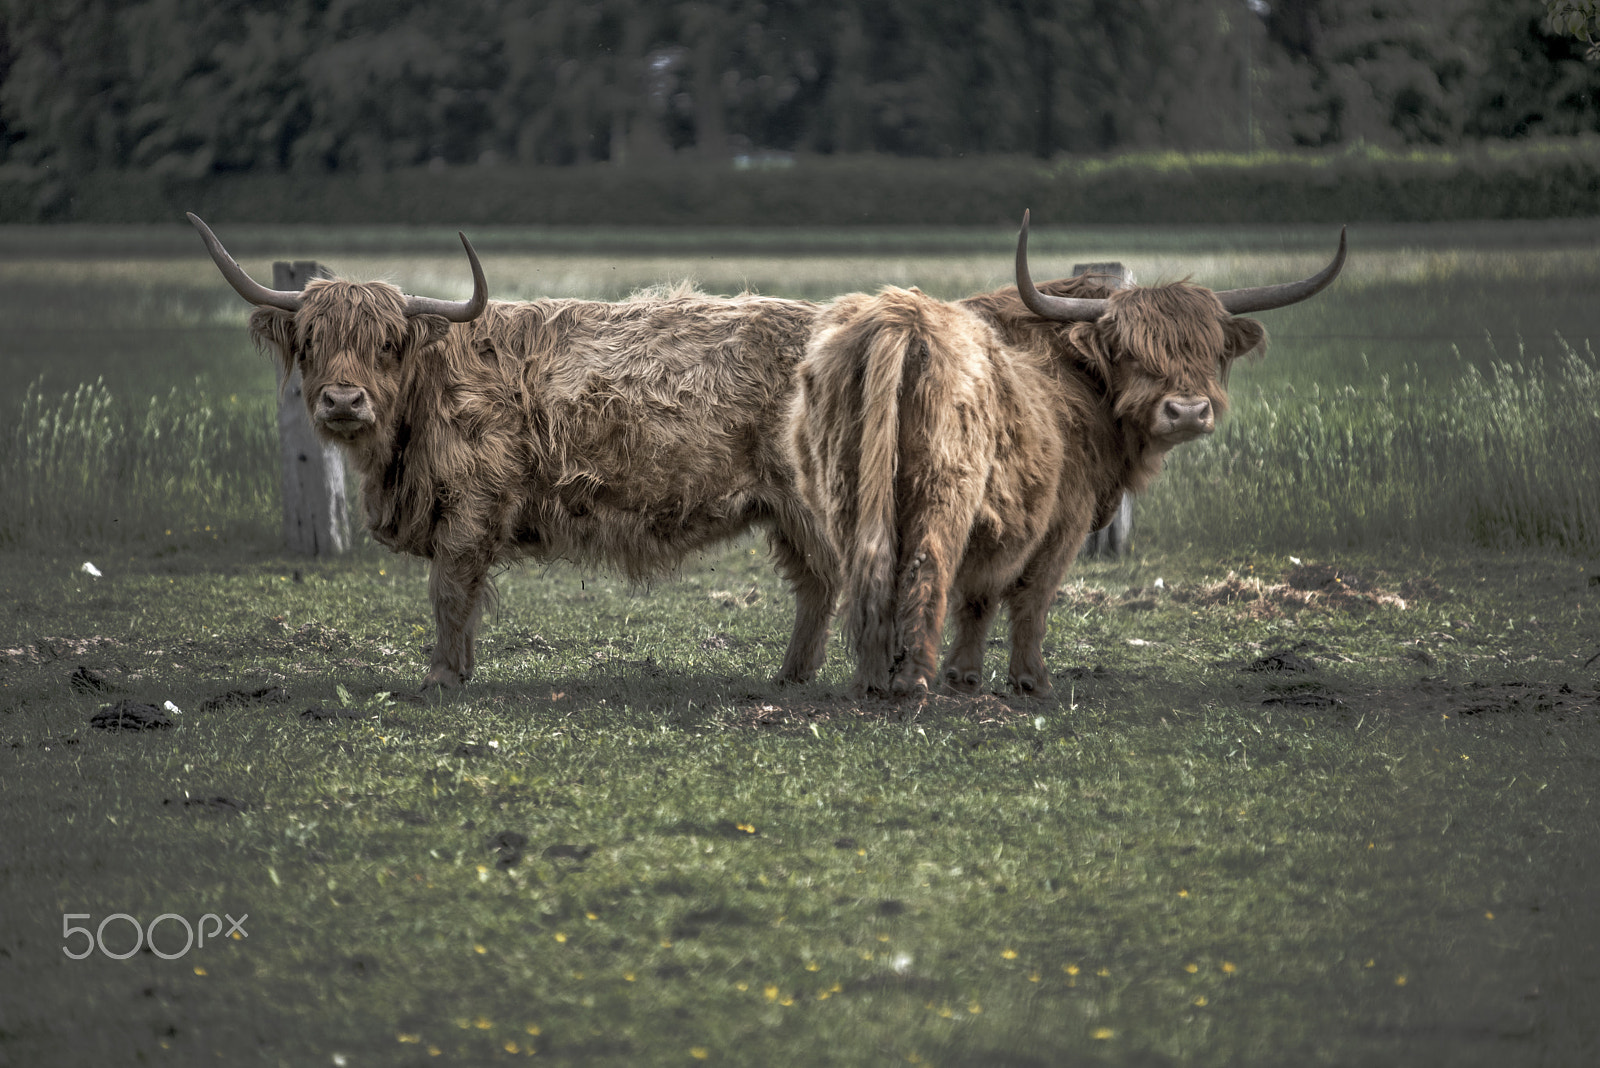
(1525, 180)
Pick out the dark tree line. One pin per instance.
(190, 87)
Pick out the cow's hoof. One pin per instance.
(442, 678)
(1032, 685)
(908, 685)
(962, 681)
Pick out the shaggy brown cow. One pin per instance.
(960, 452)
(627, 433)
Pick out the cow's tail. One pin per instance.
(874, 447)
(871, 551)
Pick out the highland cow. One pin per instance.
(628, 433)
(959, 452)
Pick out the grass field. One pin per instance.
(1325, 793)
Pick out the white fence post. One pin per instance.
(1111, 540)
(316, 514)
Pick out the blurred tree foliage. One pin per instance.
(1576, 18)
(192, 87)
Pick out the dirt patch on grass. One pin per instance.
(45, 650)
(1308, 587)
(985, 709)
(1483, 704)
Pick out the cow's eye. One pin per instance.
(391, 349)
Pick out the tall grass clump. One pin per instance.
(85, 468)
(1503, 457)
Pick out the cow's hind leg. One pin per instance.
(975, 603)
(812, 576)
(937, 526)
(972, 614)
(458, 587)
(1028, 600)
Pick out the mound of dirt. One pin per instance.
(271, 695)
(1308, 586)
(130, 716)
(44, 650)
(1283, 660)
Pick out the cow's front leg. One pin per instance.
(1028, 601)
(457, 586)
(816, 590)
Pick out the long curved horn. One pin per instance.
(242, 283)
(457, 311)
(1061, 309)
(1265, 298)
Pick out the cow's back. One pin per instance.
(652, 425)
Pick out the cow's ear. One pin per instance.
(1242, 335)
(273, 328)
(1093, 352)
(426, 329)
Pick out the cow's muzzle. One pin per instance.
(1183, 418)
(344, 410)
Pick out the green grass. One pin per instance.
(1507, 458)
(86, 466)
(783, 876)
